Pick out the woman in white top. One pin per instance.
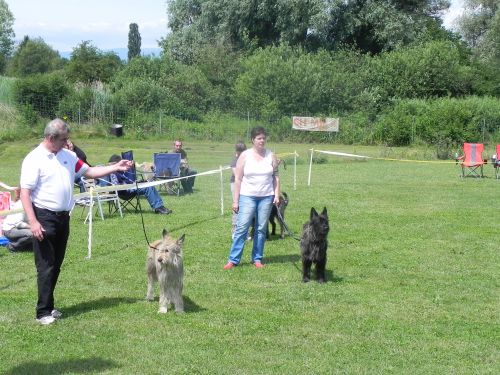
(256, 189)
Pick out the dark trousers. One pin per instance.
(188, 183)
(49, 255)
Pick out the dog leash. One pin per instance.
(142, 217)
(282, 222)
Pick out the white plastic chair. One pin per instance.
(110, 196)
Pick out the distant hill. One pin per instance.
(121, 52)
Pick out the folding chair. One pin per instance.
(111, 197)
(496, 163)
(472, 160)
(166, 167)
(129, 199)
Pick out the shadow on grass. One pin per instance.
(192, 307)
(295, 259)
(291, 258)
(193, 223)
(99, 304)
(331, 277)
(189, 305)
(70, 366)
(14, 283)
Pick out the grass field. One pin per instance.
(413, 274)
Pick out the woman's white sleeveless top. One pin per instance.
(257, 175)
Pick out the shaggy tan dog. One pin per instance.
(164, 264)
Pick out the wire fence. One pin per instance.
(102, 114)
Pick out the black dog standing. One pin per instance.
(313, 245)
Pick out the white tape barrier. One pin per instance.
(336, 153)
(101, 189)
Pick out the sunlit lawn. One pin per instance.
(413, 278)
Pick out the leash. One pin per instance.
(282, 222)
(142, 217)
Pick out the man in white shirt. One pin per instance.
(47, 176)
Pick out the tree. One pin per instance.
(368, 25)
(134, 41)
(479, 26)
(378, 25)
(6, 34)
(88, 64)
(33, 56)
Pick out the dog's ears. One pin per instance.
(180, 241)
(164, 233)
(324, 213)
(313, 213)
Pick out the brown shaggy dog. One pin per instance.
(164, 264)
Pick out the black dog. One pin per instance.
(313, 245)
(278, 212)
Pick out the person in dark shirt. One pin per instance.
(187, 183)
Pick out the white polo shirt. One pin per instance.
(50, 177)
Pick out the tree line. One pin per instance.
(381, 66)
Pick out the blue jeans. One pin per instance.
(250, 207)
(152, 196)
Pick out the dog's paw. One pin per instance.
(305, 279)
(150, 298)
(162, 310)
(321, 281)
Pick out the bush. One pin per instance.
(445, 122)
(42, 92)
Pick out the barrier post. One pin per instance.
(310, 167)
(295, 170)
(221, 191)
(91, 216)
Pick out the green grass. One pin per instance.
(413, 278)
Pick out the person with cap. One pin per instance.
(151, 194)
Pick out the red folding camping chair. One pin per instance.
(472, 160)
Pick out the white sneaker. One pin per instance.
(56, 314)
(46, 320)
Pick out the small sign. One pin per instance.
(315, 124)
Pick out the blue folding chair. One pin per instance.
(129, 199)
(167, 166)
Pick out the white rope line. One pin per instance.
(100, 189)
(343, 154)
(389, 159)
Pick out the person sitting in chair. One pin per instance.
(16, 229)
(151, 194)
(187, 183)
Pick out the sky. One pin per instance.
(64, 24)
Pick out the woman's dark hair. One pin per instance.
(258, 130)
(240, 147)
